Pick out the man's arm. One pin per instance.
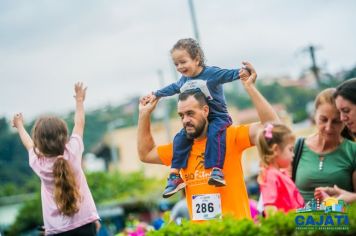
(26, 139)
(146, 147)
(264, 109)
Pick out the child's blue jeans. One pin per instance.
(215, 146)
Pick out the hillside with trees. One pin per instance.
(13, 157)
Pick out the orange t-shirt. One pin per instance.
(233, 197)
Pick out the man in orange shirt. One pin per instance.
(206, 201)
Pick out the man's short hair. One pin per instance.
(197, 94)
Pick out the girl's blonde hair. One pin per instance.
(50, 135)
(271, 134)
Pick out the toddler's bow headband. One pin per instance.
(268, 131)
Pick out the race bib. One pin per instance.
(206, 206)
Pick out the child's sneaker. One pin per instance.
(175, 183)
(217, 178)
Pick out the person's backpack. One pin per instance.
(297, 154)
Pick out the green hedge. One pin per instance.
(279, 224)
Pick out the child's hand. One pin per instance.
(17, 120)
(252, 77)
(244, 73)
(321, 193)
(148, 98)
(145, 99)
(146, 106)
(80, 92)
(152, 98)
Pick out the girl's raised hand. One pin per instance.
(17, 120)
(80, 91)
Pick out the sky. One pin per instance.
(117, 47)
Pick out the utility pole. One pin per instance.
(194, 20)
(314, 68)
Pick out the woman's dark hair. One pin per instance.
(346, 133)
(347, 90)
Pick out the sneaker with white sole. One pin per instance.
(174, 184)
(217, 178)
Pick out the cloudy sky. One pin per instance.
(117, 47)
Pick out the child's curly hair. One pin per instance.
(192, 47)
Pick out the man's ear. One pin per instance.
(206, 110)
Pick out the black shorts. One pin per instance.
(85, 230)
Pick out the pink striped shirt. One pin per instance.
(54, 221)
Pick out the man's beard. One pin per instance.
(199, 129)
